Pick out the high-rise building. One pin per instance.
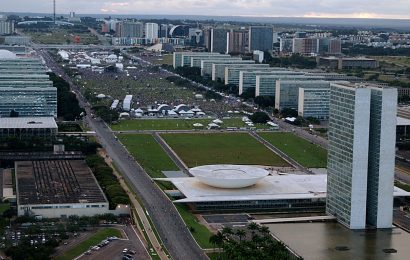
(219, 40)
(130, 29)
(305, 46)
(285, 45)
(6, 27)
(362, 125)
(329, 46)
(237, 41)
(260, 38)
(151, 31)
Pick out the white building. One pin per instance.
(151, 31)
(362, 128)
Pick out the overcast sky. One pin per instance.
(293, 8)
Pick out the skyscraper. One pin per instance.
(362, 125)
(151, 31)
(237, 41)
(130, 29)
(260, 38)
(219, 40)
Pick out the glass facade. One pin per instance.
(314, 102)
(260, 38)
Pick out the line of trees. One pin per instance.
(252, 243)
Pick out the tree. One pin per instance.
(289, 112)
(259, 118)
(240, 233)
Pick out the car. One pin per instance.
(128, 255)
(132, 252)
(125, 251)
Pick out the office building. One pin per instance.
(287, 91)
(300, 35)
(6, 27)
(285, 45)
(314, 102)
(181, 59)
(362, 126)
(347, 63)
(232, 72)
(266, 84)
(57, 189)
(260, 38)
(237, 41)
(218, 69)
(207, 65)
(151, 31)
(330, 46)
(24, 127)
(130, 29)
(219, 40)
(196, 37)
(196, 60)
(305, 46)
(247, 79)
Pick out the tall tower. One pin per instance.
(362, 127)
(54, 10)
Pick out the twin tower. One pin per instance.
(362, 135)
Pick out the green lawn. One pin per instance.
(229, 148)
(174, 124)
(92, 241)
(304, 152)
(148, 153)
(199, 231)
(402, 185)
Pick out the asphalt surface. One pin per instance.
(170, 226)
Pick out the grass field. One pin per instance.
(402, 185)
(173, 124)
(232, 148)
(92, 241)
(304, 152)
(148, 153)
(62, 36)
(166, 59)
(199, 231)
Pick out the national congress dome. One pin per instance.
(229, 176)
(7, 55)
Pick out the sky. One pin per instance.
(394, 9)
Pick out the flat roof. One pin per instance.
(27, 122)
(56, 182)
(275, 187)
(401, 121)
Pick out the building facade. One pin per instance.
(151, 31)
(130, 29)
(219, 40)
(260, 38)
(314, 102)
(362, 125)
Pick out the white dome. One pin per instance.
(229, 176)
(5, 54)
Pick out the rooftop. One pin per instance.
(27, 122)
(56, 182)
(275, 187)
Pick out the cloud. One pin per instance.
(299, 8)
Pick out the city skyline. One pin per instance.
(246, 8)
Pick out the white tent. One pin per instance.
(217, 121)
(198, 125)
(213, 126)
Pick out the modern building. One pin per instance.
(247, 79)
(16, 40)
(181, 59)
(347, 63)
(237, 41)
(207, 65)
(6, 27)
(362, 126)
(232, 72)
(196, 60)
(260, 38)
(28, 101)
(219, 40)
(329, 46)
(23, 127)
(239, 188)
(218, 69)
(285, 45)
(151, 31)
(305, 46)
(314, 102)
(287, 91)
(130, 29)
(58, 189)
(266, 84)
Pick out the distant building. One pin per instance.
(300, 34)
(6, 27)
(266, 84)
(361, 155)
(260, 38)
(130, 29)
(237, 41)
(305, 46)
(151, 31)
(219, 40)
(347, 63)
(329, 46)
(285, 45)
(17, 40)
(25, 127)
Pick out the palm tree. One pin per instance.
(264, 230)
(253, 227)
(227, 231)
(240, 233)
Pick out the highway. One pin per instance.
(170, 226)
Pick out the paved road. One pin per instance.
(401, 219)
(170, 226)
